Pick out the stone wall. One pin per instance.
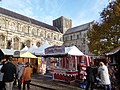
(15, 33)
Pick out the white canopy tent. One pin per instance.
(61, 50)
(25, 49)
(73, 50)
(33, 49)
(7, 52)
(41, 49)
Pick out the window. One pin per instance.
(48, 36)
(16, 43)
(54, 37)
(83, 40)
(34, 31)
(77, 36)
(41, 34)
(28, 43)
(80, 33)
(38, 44)
(2, 41)
(70, 37)
(2, 22)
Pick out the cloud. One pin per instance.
(48, 10)
(43, 10)
(23, 7)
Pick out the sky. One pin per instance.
(79, 11)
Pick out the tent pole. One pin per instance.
(29, 60)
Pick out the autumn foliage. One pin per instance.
(105, 34)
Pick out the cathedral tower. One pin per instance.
(62, 23)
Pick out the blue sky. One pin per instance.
(79, 11)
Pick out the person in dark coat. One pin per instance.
(9, 71)
(90, 78)
(20, 69)
(2, 85)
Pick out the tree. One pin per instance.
(105, 34)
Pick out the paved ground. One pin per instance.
(31, 88)
(40, 82)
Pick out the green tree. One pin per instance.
(105, 34)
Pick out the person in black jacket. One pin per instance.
(9, 71)
(90, 77)
(2, 85)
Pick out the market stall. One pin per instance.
(114, 66)
(24, 57)
(6, 53)
(66, 63)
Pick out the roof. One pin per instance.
(114, 51)
(73, 50)
(78, 28)
(33, 48)
(8, 52)
(61, 50)
(27, 19)
(25, 49)
(27, 55)
(41, 49)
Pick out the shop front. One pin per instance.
(65, 63)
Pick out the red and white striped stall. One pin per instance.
(66, 63)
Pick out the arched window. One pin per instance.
(16, 43)
(71, 37)
(13, 27)
(34, 31)
(2, 41)
(2, 22)
(9, 42)
(38, 44)
(41, 34)
(48, 36)
(25, 29)
(19, 27)
(55, 38)
(28, 43)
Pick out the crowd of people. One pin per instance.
(104, 76)
(101, 76)
(10, 74)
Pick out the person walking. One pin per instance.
(27, 76)
(90, 77)
(20, 69)
(2, 85)
(9, 71)
(104, 76)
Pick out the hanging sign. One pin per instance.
(16, 54)
(55, 50)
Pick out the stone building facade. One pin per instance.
(62, 23)
(78, 36)
(17, 30)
